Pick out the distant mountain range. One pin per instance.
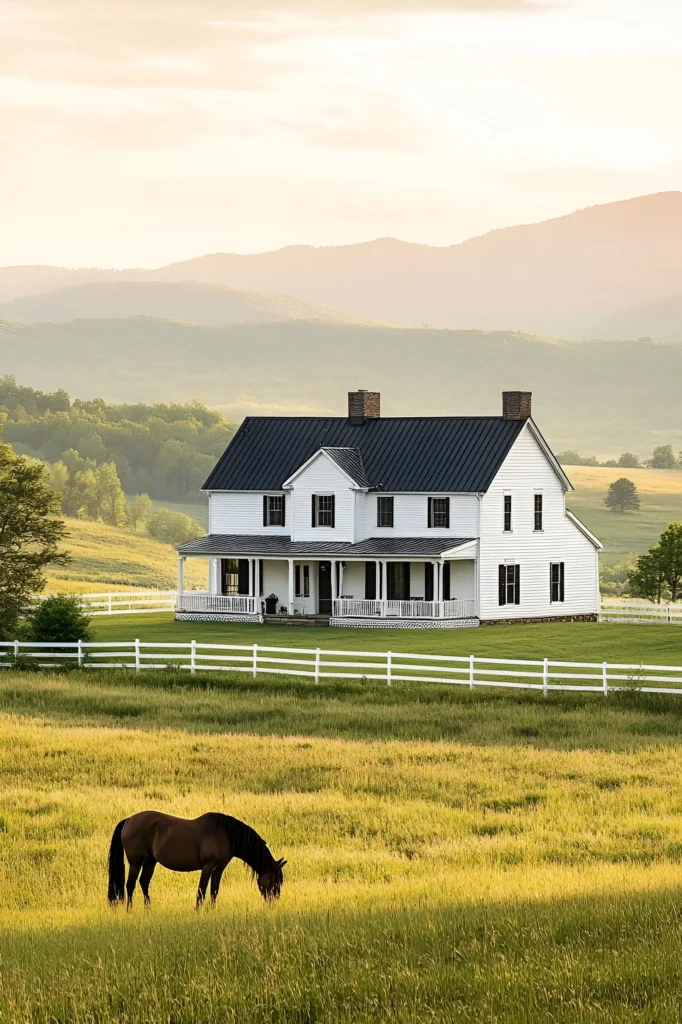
(188, 301)
(607, 271)
(598, 397)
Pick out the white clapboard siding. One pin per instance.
(322, 476)
(525, 472)
(410, 516)
(239, 512)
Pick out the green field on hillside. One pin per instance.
(451, 856)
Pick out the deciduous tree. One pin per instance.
(622, 496)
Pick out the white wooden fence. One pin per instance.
(642, 612)
(119, 603)
(385, 666)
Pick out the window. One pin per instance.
(537, 513)
(507, 513)
(273, 510)
(556, 582)
(384, 511)
(235, 576)
(439, 513)
(398, 581)
(302, 573)
(323, 510)
(510, 584)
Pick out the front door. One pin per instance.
(324, 587)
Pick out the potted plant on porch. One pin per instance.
(271, 602)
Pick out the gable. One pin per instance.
(347, 461)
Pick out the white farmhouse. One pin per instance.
(363, 520)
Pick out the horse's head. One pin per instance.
(270, 882)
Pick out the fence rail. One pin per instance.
(385, 666)
(632, 611)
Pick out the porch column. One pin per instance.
(291, 586)
(214, 585)
(251, 580)
(256, 582)
(340, 579)
(181, 579)
(441, 573)
(384, 586)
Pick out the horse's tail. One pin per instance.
(117, 868)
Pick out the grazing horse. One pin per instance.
(205, 844)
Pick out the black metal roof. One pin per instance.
(454, 454)
(350, 461)
(229, 545)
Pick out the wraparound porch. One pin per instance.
(354, 592)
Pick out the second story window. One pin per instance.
(384, 510)
(273, 510)
(439, 513)
(537, 513)
(323, 510)
(507, 513)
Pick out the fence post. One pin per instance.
(80, 653)
(317, 666)
(255, 660)
(388, 668)
(137, 654)
(605, 677)
(16, 649)
(545, 676)
(192, 657)
(472, 662)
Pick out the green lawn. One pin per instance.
(572, 641)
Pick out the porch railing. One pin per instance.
(238, 605)
(379, 609)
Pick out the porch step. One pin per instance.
(297, 620)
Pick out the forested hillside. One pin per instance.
(163, 449)
(602, 398)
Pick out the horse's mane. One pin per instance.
(246, 843)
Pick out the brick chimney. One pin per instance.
(363, 405)
(516, 405)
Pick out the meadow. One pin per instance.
(452, 855)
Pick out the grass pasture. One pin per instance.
(482, 856)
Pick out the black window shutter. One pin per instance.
(447, 515)
(313, 512)
(446, 581)
(333, 510)
(428, 581)
(265, 510)
(284, 510)
(260, 578)
(502, 577)
(243, 575)
(561, 581)
(429, 513)
(297, 570)
(370, 581)
(517, 584)
(406, 578)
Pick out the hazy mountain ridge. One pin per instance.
(561, 277)
(601, 397)
(188, 301)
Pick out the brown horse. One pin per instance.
(205, 844)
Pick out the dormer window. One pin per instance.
(273, 510)
(323, 510)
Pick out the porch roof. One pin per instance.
(373, 547)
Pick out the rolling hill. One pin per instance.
(557, 278)
(189, 301)
(661, 320)
(600, 397)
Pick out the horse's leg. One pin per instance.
(215, 882)
(146, 877)
(206, 873)
(133, 872)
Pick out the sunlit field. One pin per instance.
(480, 857)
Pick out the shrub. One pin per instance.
(173, 527)
(60, 618)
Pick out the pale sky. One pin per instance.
(140, 132)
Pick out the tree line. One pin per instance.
(164, 450)
(662, 457)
